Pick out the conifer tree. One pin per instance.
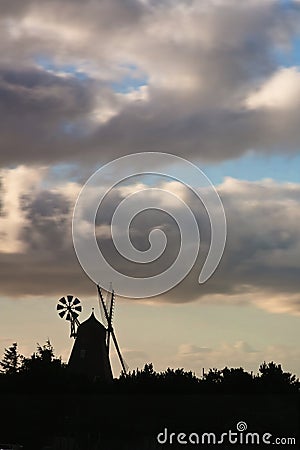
(11, 361)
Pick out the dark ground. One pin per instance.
(132, 421)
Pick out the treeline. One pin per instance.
(270, 379)
(43, 372)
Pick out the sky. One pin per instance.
(216, 82)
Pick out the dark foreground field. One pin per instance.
(133, 421)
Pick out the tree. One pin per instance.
(46, 352)
(237, 380)
(213, 376)
(273, 378)
(43, 360)
(11, 361)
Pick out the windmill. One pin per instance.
(68, 308)
(90, 352)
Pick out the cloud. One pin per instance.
(260, 265)
(37, 107)
(200, 92)
(237, 354)
(12, 220)
(280, 92)
(89, 84)
(190, 349)
(196, 358)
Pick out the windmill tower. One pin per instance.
(90, 353)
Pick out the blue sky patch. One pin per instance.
(128, 84)
(70, 69)
(132, 80)
(254, 167)
(291, 56)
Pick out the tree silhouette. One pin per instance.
(11, 362)
(44, 372)
(273, 378)
(213, 376)
(236, 380)
(147, 373)
(46, 352)
(43, 360)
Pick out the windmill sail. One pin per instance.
(108, 317)
(111, 312)
(68, 308)
(103, 317)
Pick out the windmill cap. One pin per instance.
(91, 324)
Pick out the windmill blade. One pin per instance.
(60, 306)
(101, 300)
(123, 364)
(68, 308)
(111, 307)
(102, 306)
(111, 312)
(74, 315)
(109, 295)
(103, 317)
(112, 331)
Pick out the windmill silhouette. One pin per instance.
(90, 352)
(69, 308)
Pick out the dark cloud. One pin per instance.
(199, 79)
(48, 216)
(37, 110)
(263, 241)
(261, 256)
(47, 264)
